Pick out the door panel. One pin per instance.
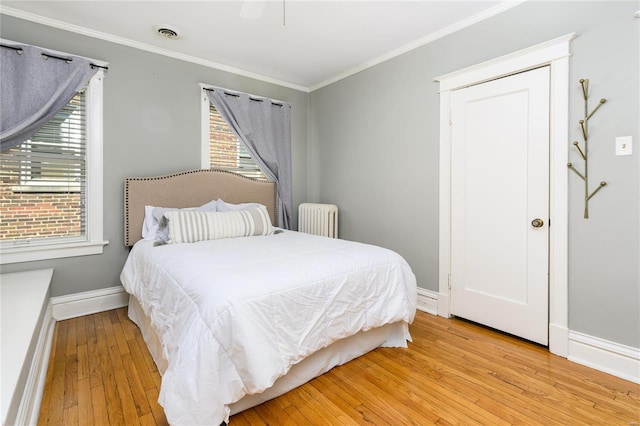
(499, 185)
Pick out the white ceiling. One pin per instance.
(301, 44)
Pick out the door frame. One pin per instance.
(554, 53)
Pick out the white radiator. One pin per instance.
(318, 219)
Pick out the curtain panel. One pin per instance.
(34, 86)
(264, 128)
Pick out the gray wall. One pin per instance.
(378, 131)
(151, 127)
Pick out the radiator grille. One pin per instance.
(318, 219)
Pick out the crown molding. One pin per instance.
(502, 7)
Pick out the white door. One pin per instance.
(500, 204)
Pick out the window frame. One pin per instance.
(92, 242)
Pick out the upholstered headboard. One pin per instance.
(190, 189)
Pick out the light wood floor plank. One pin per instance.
(71, 381)
(85, 402)
(119, 333)
(110, 336)
(112, 398)
(137, 358)
(95, 374)
(56, 401)
(454, 373)
(128, 326)
(71, 416)
(125, 394)
(347, 402)
(99, 406)
(72, 342)
(135, 384)
(83, 362)
(156, 409)
(81, 330)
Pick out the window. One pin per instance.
(223, 149)
(51, 185)
(53, 160)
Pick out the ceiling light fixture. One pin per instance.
(166, 31)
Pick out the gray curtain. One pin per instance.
(34, 86)
(263, 126)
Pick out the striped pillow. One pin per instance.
(189, 226)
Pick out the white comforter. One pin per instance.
(233, 315)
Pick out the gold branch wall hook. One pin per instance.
(602, 185)
(584, 84)
(577, 145)
(583, 126)
(602, 101)
(585, 87)
(576, 171)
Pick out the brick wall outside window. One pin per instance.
(224, 140)
(37, 215)
(226, 152)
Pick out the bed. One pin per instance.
(233, 322)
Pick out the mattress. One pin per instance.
(232, 316)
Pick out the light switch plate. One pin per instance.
(623, 145)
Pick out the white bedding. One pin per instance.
(235, 314)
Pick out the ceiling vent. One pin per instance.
(166, 31)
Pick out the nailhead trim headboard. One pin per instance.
(190, 189)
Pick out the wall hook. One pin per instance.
(584, 153)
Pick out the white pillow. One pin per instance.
(222, 206)
(193, 226)
(151, 224)
(149, 228)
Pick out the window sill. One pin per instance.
(52, 251)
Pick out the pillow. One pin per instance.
(151, 223)
(149, 228)
(222, 206)
(192, 226)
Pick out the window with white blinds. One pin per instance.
(53, 160)
(225, 150)
(51, 185)
(43, 179)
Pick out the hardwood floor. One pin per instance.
(454, 373)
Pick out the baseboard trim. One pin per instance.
(29, 408)
(427, 301)
(606, 356)
(88, 302)
(558, 340)
(443, 305)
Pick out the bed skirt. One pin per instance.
(338, 353)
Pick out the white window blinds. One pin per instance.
(43, 180)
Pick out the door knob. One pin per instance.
(537, 223)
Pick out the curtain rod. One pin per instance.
(47, 56)
(237, 96)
